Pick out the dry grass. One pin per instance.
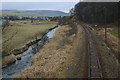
(114, 31)
(62, 57)
(112, 41)
(77, 68)
(18, 33)
(109, 62)
(54, 59)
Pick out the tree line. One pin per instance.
(29, 18)
(97, 12)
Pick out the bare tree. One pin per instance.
(72, 11)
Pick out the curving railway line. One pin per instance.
(93, 66)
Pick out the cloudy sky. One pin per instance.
(11, 5)
(59, 6)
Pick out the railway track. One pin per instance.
(94, 66)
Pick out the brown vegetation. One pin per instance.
(112, 41)
(56, 57)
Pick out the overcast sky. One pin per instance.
(40, 0)
(60, 6)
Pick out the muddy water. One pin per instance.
(14, 69)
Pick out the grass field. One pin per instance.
(18, 33)
(114, 32)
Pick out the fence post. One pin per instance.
(105, 24)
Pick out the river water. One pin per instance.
(2, 21)
(14, 69)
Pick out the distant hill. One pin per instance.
(34, 13)
(49, 12)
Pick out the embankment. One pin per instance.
(112, 41)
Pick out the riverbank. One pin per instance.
(19, 35)
(24, 59)
(57, 58)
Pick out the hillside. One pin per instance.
(40, 13)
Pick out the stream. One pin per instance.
(26, 57)
(2, 22)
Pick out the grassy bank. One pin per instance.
(112, 39)
(114, 31)
(19, 33)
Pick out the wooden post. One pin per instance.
(105, 25)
